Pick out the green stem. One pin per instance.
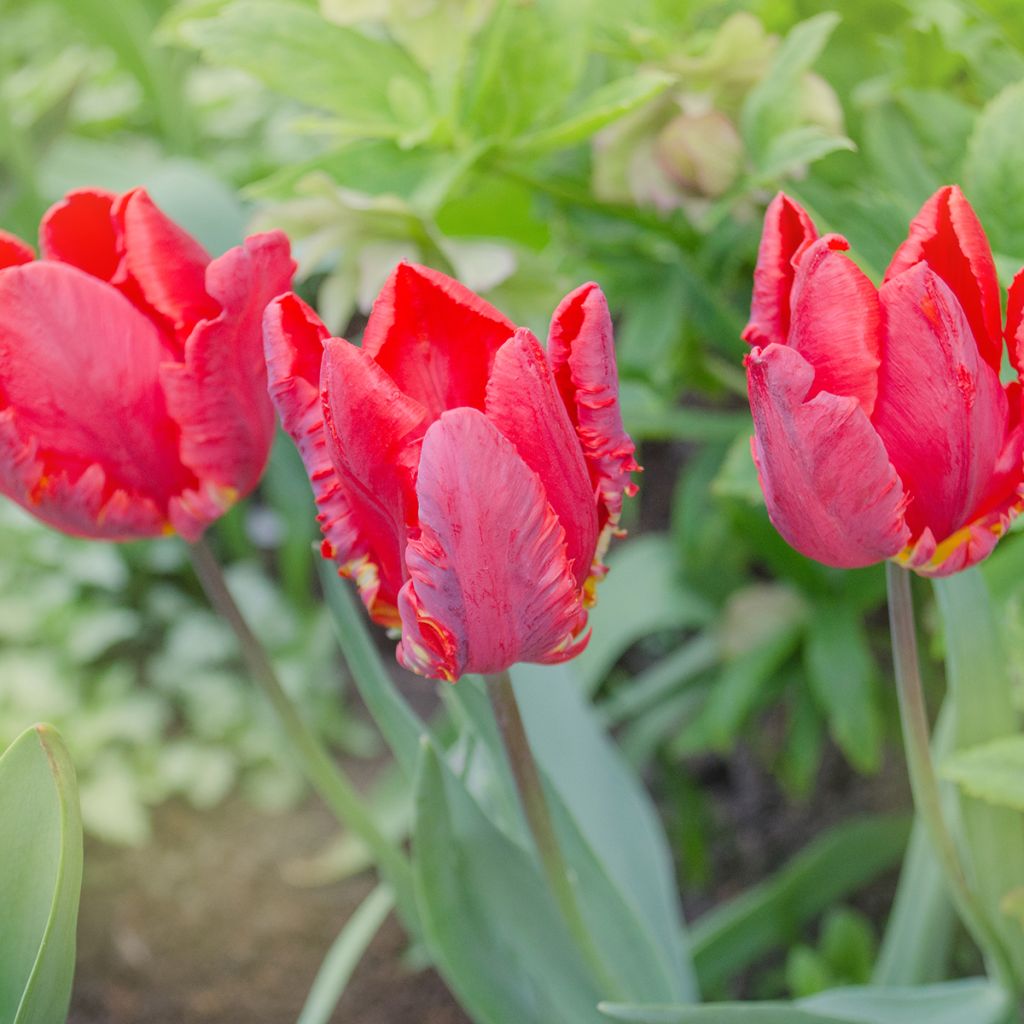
(538, 819)
(923, 780)
(325, 775)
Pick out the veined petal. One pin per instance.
(79, 386)
(435, 338)
(947, 235)
(836, 322)
(490, 583)
(294, 340)
(830, 487)
(218, 392)
(162, 268)
(13, 251)
(1015, 320)
(941, 410)
(524, 404)
(373, 432)
(582, 356)
(79, 229)
(788, 230)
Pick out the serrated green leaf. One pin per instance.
(40, 878)
(993, 772)
(300, 54)
(603, 106)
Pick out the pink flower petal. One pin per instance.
(788, 230)
(524, 404)
(80, 390)
(373, 432)
(836, 322)
(490, 583)
(79, 229)
(941, 410)
(1015, 320)
(218, 392)
(830, 488)
(13, 251)
(163, 268)
(947, 235)
(435, 338)
(582, 355)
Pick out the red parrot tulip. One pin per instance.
(882, 428)
(133, 390)
(467, 480)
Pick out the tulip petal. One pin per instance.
(947, 235)
(218, 392)
(1015, 320)
(80, 390)
(79, 229)
(294, 338)
(836, 322)
(788, 230)
(830, 488)
(524, 404)
(163, 268)
(582, 356)
(435, 338)
(490, 583)
(373, 432)
(13, 251)
(941, 410)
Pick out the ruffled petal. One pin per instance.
(79, 229)
(435, 338)
(582, 355)
(490, 584)
(162, 268)
(830, 488)
(941, 411)
(788, 230)
(294, 339)
(13, 251)
(80, 391)
(836, 322)
(373, 432)
(218, 392)
(524, 404)
(1015, 321)
(948, 236)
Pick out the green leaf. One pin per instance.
(841, 672)
(619, 619)
(650, 417)
(982, 693)
(487, 916)
(40, 878)
(732, 937)
(992, 171)
(344, 956)
(527, 59)
(611, 809)
(798, 147)
(770, 109)
(993, 772)
(973, 1001)
(603, 106)
(369, 83)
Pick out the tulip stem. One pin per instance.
(320, 769)
(538, 819)
(923, 781)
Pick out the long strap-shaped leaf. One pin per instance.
(40, 878)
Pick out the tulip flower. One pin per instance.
(133, 390)
(882, 427)
(468, 481)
